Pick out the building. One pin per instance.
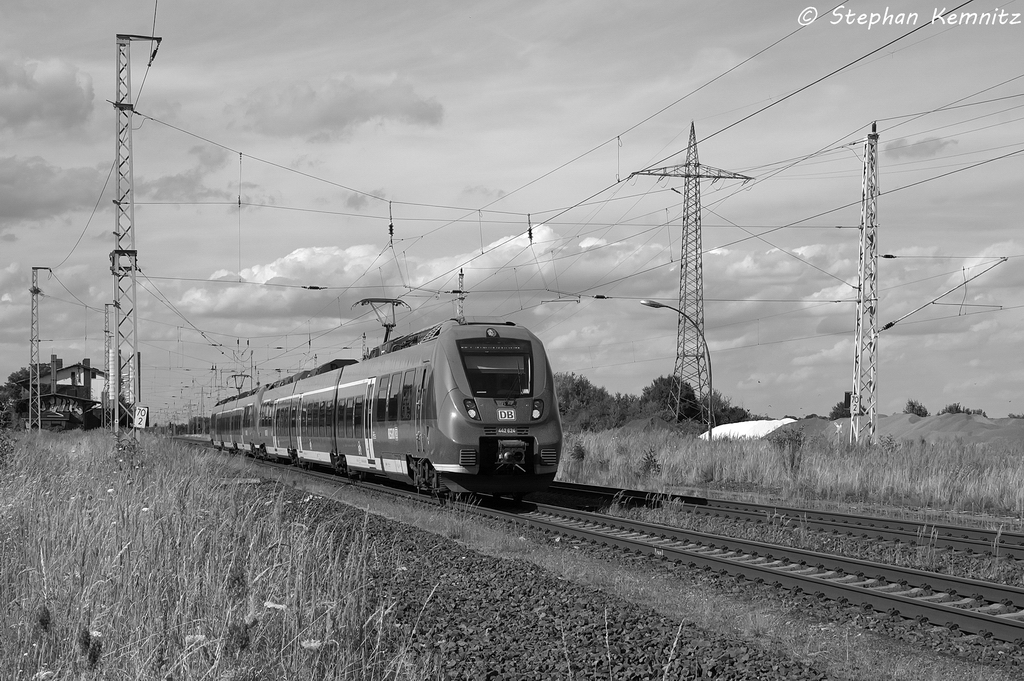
(69, 396)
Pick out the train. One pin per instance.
(466, 406)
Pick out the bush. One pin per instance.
(916, 408)
(956, 408)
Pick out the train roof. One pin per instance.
(316, 371)
(432, 332)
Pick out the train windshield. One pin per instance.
(500, 369)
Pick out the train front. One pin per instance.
(498, 415)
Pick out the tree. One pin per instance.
(916, 408)
(659, 399)
(14, 392)
(840, 411)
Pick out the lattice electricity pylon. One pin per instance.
(35, 412)
(863, 413)
(693, 360)
(124, 257)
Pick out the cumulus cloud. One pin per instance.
(331, 109)
(32, 189)
(53, 93)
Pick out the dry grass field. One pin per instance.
(949, 474)
(136, 565)
(163, 563)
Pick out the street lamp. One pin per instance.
(707, 355)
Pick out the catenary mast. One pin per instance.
(863, 403)
(125, 381)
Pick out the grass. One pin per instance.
(953, 476)
(133, 564)
(148, 564)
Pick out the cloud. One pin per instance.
(32, 189)
(925, 148)
(360, 201)
(189, 185)
(331, 109)
(53, 93)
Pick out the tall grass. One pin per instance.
(949, 475)
(156, 564)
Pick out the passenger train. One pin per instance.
(466, 406)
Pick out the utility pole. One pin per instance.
(863, 414)
(108, 368)
(35, 411)
(692, 366)
(124, 257)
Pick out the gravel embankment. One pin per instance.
(478, 617)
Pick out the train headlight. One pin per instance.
(471, 409)
(538, 409)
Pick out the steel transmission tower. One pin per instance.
(35, 416)
(863, 415)
(692, 355)
(124, 382)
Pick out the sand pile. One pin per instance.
(967, 428)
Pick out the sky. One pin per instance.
(292, 159)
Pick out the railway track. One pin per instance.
(967, 605)
(934, 535)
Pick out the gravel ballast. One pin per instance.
(478, 617)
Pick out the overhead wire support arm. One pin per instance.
(937, 298)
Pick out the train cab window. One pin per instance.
(357, 416)
(497, 368)
(380, 414)
(407, 392)
(396, 391)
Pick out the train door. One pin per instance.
(369, 432)
(303, 430)
(293, 428)
(419, 427)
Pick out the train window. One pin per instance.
(357, 416)
(407, 391)
(343, 417)
(396, 391)
(497, 369)
(247, 419)
(349, 417)
(382, 398)
(427, 410)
